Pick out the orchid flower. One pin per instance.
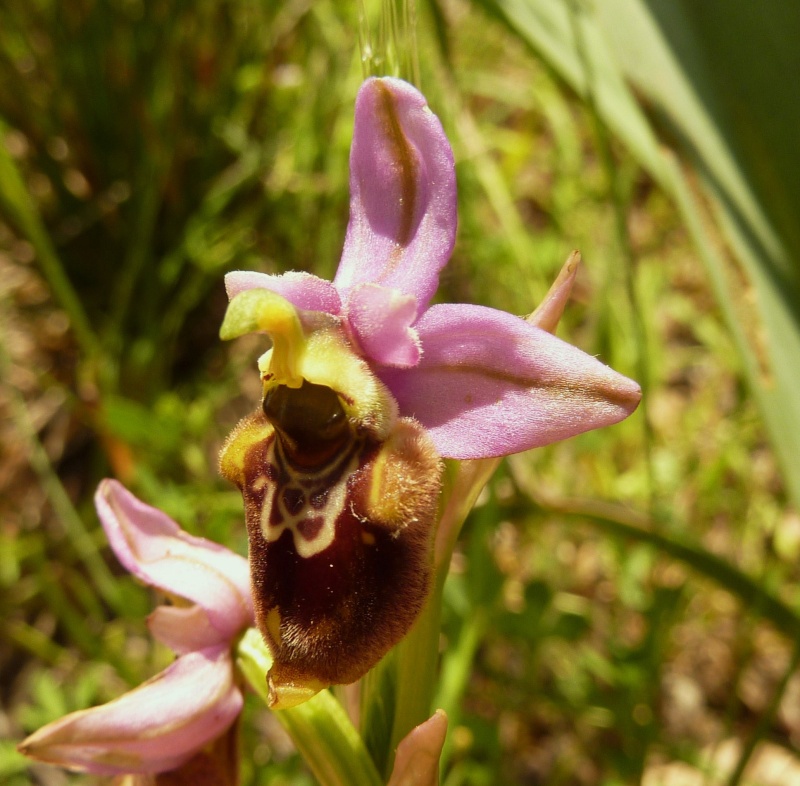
(167, 721)
(365, 388)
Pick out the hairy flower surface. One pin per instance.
(165, 722)
(365, 387)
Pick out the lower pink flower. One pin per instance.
(164, 722)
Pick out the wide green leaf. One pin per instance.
(718, 78)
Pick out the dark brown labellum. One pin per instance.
(340, 527)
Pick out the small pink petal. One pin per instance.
(183, 628)
(490, 384)
(301, 289)
(402, 193)
(417, 759)
(381, 320)
(152, 547)
(154, 728)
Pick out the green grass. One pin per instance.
(620, 601)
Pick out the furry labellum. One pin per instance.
(340, 497)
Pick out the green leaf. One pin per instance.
(718, 75)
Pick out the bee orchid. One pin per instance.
(366, 387)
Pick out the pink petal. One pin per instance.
(381, 320)
(301, 289)
(158, 552)
(417, 760)
(490, 384)
(402, 193)
(154, 728)
(183, 628)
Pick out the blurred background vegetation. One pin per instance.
(624, 607)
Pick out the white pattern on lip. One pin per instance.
(321, 497)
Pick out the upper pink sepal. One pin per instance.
(402, 193)
(490, 384)
(152, 547)
(301, 289)
(154, 728)
(381, 320)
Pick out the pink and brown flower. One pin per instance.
(365, 388)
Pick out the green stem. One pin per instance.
(417, 670)
(378, 699)
(417, 656)
(456, 672)
(320, 728)
(464, 481)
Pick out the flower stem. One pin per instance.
(320, 728)
(417, 670)
(417, 656)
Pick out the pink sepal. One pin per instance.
(154, 728)
(152, 547)
(402, 193)
(549, 311)
(418, 754)
(490, 384)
